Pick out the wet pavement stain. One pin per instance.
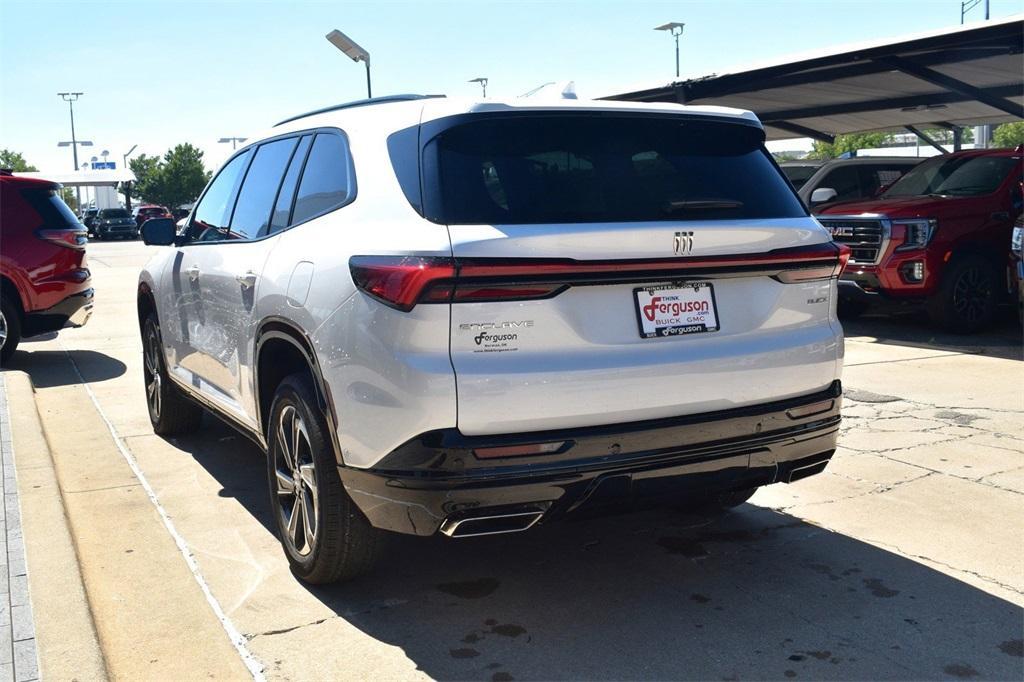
(509, 630)
(823, 569)
(501, 677)
(1013, 647)
(687, 547)
(878, 589)
(463, 653)
(958, 418)
(471, 638)
(699, 598)
(470, 589)
(797, 657)
(492, 666)
(790, 673)
(820, 655)
(961, 670)
(490, 621)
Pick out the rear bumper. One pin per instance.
(436, 482)
(73, 311)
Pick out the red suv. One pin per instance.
(937, 236)
(44, 282)
(147, 211)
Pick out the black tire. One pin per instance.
(11, 323)
(966, 299)
(170, 412)
(343, 543)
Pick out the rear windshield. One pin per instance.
(114, 213)
(577, 169)
(958, 176)
(51, 208)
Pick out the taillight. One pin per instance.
(400, 281)
(403, 281)
(66, 237)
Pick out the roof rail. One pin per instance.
(387, 99)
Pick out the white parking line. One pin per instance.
(237, 639)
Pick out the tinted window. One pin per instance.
(114, 213)
(957, 176)
(873, 178)
(51, 208)
(798, 175)
(845, 180)
(213, 214)
(256, 198)
(327, 180)
(283, 207)
(571, 169)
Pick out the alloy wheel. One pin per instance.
(3, 329)
(151, 370)
(296, 483)
(971, 294)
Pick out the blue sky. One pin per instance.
(159, 73)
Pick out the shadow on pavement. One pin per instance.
(914, 329)
(49, 368)
(655, 595)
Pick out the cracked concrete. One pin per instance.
(905, 559)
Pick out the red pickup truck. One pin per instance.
(938, 236)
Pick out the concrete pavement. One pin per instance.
(904, 560)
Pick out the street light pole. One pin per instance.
(71, 98)
(675, 28)
(352, 50)
(233, 140)
(483, 84)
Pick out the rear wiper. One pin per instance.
(701, 205)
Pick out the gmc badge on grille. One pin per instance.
(841, 231)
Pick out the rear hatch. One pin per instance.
(619, 267)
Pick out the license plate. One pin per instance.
(674, 309)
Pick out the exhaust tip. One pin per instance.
(807, 470)
(475, 526)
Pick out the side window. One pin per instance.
(283, 207)
(874, 178)
(213, 214)
(845, 181)
(256, 198)
(327, 180)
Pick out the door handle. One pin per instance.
(247, 280)
(193, 273)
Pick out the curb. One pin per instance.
(66, 640)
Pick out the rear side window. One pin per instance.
(213, 214)
(845, 180)
(328, 179)
(51, 208)
(575, 169)
(283, 207)
(256, 198)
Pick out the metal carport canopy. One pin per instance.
(968, 75)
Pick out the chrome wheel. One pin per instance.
(296, 484)
(971, 294)
(3, 329)
(151, 371)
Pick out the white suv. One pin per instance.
(471, 317)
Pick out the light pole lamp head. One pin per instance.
(673, 27)
(348, 46)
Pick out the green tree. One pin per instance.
(145, 168)
(1008, 135)
(848, 143)
(15, 161)
(182, 176)
(68, 196)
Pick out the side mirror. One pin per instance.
(159, 232)
(823, 195)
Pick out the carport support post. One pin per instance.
(958, 137)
